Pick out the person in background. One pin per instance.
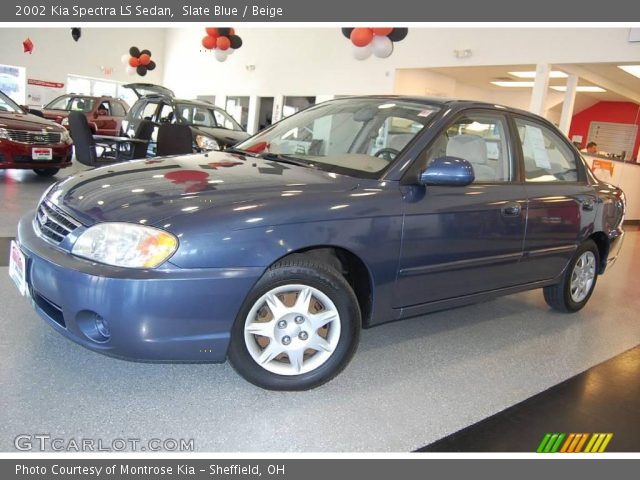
(592, 148)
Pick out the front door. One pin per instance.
(463, 240)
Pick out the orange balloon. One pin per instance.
(361, 37)
(223, 43)
(209, 42)
(212, 32)
(134, 62)
(144, 59)
(382, 32)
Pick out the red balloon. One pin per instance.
(209, 42)
(232, 31)
(144, 59)
(361, 37)
(134, 62)
(223, 43)
(212, 32)
(382, 32)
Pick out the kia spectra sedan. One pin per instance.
(354, 212)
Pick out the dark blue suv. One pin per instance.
(351, 213)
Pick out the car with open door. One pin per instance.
(275, 254)
(212, 128)
(30, 142)
(104, 114)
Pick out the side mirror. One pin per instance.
(452, 171)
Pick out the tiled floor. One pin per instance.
(410, 384)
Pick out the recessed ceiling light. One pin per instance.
(580, 88)
(632, 69)
(500, 83)
(532, 74)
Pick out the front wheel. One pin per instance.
(297, 329)
(578, 281)
(46, 172)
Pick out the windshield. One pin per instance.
(8, 105)
(72, 104)
(202, 116)
(360, 136)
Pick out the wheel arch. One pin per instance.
(349, 264)
(602, 242)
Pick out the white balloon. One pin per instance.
(382, 46)
(362, 53)
(125, 58)
(131, 70)
(221, 55)
(230, 51)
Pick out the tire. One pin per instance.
(568, 296)
(331, 302)
(46, 172)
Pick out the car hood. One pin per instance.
(150, 191)
(221, 135)
(23, 121)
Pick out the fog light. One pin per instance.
(103, 327)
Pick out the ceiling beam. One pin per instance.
(597, 79)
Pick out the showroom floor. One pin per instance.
(410, 383)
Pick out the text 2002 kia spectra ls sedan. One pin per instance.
(348, 214)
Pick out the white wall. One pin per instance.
(55, 54)
(318, 61)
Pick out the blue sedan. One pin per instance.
(354, 212)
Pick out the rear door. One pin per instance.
(456, 240)
(561, 204)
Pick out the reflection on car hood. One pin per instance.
(221, 135)
(23, 121)
(148, 191)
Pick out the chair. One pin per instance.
(83, 141)
(473, 149)
(143, 132)
(174, 140)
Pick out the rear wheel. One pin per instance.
(46, 172)
(297, 329)
(579, 280)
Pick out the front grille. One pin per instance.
(53, 224)
(34, 138)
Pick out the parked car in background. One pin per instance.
(212, 127)
(348, 214)
(104, 114)
(31, 142)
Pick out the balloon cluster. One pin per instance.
(138, 61)
(223, 42)
(76, 33)
(377, 41)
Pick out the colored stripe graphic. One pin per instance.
(574, 442)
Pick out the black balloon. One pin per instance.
(142, 70)
(224, 32)
(134, 52)
(347, 32)
(398, 34)
(76, 33)
(236, 41)
(150, 66)
(145, 51)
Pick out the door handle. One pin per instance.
(511, 209)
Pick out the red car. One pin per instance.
(104, 114)
(31, 142)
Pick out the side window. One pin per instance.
(147, 112)
(546, 156)
(482, 140)
(166, 114)
(103, 109)
(117, 110)
(222, 120)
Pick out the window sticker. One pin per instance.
(534, 143)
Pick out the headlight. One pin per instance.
(65, 138)
(206, 143)
(65, 122)
(4, 133)
(126, 245)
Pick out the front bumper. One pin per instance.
(168, 314)
(18, 155)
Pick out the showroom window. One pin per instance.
(12, 83)
(546, 157)
(482, 140)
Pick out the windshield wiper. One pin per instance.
(240, 152)
(278, 157)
